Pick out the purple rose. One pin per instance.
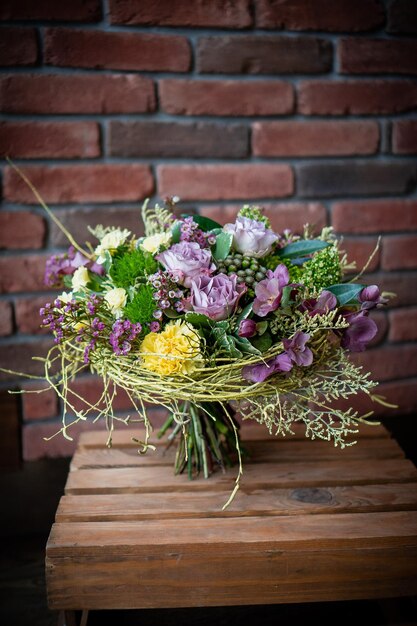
(370, 297)
(297, 350)
(250, 237)
(186, 261)
(360, 331)
(259, 373)
(247, 328)
(216, 296)
(268, 292)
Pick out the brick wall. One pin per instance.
(307, 107)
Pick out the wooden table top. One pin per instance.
(310, 523)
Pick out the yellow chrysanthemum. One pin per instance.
(175, 350)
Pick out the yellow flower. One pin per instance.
(154, 242)
(175, 350)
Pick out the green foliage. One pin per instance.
(130, 266)
(323, 269)
(223, 245)
(141, 308)
(254, 213)
(303, 248)
(346, 292)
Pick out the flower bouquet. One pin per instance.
(206, 320)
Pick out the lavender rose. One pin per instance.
(250, 237)
(216, 297)
(186, 261)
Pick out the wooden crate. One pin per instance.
(310, 523)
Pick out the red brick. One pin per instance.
(359, 250)
(402, 16)
(6, 318)
(403, 324)
(60, 140)
(399, 252)
(288, 215)
(18, 46)
(374, 216)
(21, 230)
(404, 137)
(389, 362)
(86, 93)
(17, 357)
(67, 47)
(35, 447)
(173, 139)
(74, 11)
(90, 389)
(314, 138)
(80, 183)
(22, 273)
(378, 56)
(76, 221)
(28, 320)
(367, 97)
(225, 182)
(402, 286)
(381, 320)
(401, 393)
(326, 15)
(360, 178)
(263, 55)
(225, 97)
(222, 13)
(39, 406)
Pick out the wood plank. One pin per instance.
(301, 501)
(255, 560)
(256, 476)
(258, 451)
(122, 437)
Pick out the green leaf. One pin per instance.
(245, 313)
(262, 343)
(244, 345)
(172, 314)
(197, 319)
(223, 245)
(302, 248)
(227, 342)
(205, 223)
(345, 292)
(176, 232)
(261, 327)
(286, 295)
(223, 324)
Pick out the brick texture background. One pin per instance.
(307, 107)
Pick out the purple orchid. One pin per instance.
(320, 306)
(296, 349)
(216, 296)
(370, 297)
(259, 373)
(360, 331)
(187, 261)
(268, 292)
(247, 328)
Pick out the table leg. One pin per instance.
(72, 618)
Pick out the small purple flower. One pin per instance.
(296, 349)
(268, 292)
(370, 297)
(259, 373)
(323, 304)
(155, 327)
(187, 261)
(250, 237)
(247, 328)
(59, 265)
(360, 331)
(216, 296)
(123, 333)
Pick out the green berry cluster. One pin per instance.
(323, 270)
(254, 213)
(248, 269)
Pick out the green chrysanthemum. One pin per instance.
(141, 308)
(130, 266)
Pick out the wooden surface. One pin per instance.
(310, 523)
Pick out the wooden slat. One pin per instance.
(258, 451)
(256, 476)
(250, 431)
(299, 501)
(231, 561)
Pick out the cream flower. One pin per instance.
(153, 243)
(65, 297)
(116, 299)
(80, 278)
(111, 241)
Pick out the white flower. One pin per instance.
(250, 237)
(80, 278)
(116, 299)
(111, 242)
(153, 243)
(65, 297)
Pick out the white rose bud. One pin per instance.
(80, 278)
(111, 242)
(153, 243)
(116, 299)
